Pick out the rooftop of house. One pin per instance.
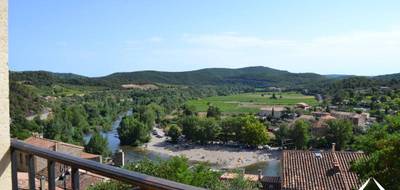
(23, 181)
(326, 170)
(275, 108)
(52, 145)
(41, 142)
(303, 104)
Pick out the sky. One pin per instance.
(99, 37)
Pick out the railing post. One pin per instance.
(31, 171)
(51, 174)
(75, 178)
(14, 169)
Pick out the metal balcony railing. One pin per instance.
(138, 180)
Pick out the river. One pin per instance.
(270, 168)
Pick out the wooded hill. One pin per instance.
(248, 76)
(251, 76)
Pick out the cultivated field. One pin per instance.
(250, 102)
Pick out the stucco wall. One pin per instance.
(5, 169)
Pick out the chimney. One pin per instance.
(42, 183)
(336, 166)
(119, 158)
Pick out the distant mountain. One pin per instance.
(252, 76)
(49, 78)
(249, 76)
(388, 77)
(335, 76)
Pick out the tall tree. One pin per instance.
(133, 132)
(174, 132)
(188, 110)
(213, 111)
(383, 149)
(340, 132)
(300, 134)
(97, 145)
(252, 132)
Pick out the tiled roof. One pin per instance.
(50, 144)
(86, 155)
(271, 179)
(41, 142)
(307, 170)
(86, 179)
(230, 176)
(23, 182)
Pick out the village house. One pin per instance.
(359, 120)
(320, 127)
(318, 115)
(299, 170)
(304, 170)
(303, 106)
(272, 112)
(61, 170)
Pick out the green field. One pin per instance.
(250, 102)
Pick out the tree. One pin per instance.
(189, 125)
(98, 145)
(300, 134)
(253, 132)
(188, 110)
(208, 130)
(178, 169)
(158, 110)
(340, 132)
(214, 112)
(382, 163)
(282, 134)
(133, 132)
(146, 115)
(230, 129)
(274, 96)
(174, 131)
(382, 145)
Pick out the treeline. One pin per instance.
(242, 129)
(135, 129)
(381, 95)
(382, 145)
(180, 170)
(300, 135)
(24, 100)
(242, 77)
(76, 110)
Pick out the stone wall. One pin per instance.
(5, 167)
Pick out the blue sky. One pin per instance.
(99, 37)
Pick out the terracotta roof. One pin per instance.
(271, 179)
(41, 142)
(23, 182)
(86, 155)
(316, 170)
(327, 117)
(269, 108)
(303, 104)
(50, 144)
(86, 179)
(230, 176)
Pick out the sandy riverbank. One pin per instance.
(224, 157)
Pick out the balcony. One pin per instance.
(137, 180)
